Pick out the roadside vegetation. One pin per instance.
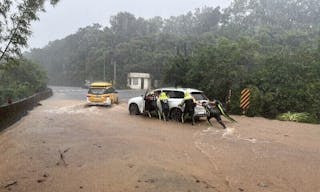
(19, 78)
(297, 117)
(271, 47)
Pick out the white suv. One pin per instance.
(176, 95)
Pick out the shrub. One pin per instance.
(20, 79)
(297, 117)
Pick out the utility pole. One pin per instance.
(104, 66)
(114, 72)
(114, 63)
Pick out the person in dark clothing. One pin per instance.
(189, 105)
(213, 111)
(151, 103)
(9, 100)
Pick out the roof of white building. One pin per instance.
(139, 75)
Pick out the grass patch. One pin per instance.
(298, 117)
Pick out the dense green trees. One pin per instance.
(270, 46)
(20, 79)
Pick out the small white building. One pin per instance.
(139, 80)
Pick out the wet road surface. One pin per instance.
(63, 145)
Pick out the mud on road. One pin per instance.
(63, 145)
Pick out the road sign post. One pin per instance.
(245, 100)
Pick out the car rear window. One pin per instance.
(174, 94)
(100, 91)
(198, 96)
(96, 91)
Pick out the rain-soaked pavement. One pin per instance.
(63, 145)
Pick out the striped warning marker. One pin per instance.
(245, 99)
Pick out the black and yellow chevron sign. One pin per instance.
(245, 99)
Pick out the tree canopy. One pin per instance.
(15, 23)
(19, 77)
(270, 46)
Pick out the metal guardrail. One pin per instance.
(9, 114)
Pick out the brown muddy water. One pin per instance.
(63, 145)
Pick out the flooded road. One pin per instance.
(63, 145)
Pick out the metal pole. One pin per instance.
(114, 72)
(104, 66)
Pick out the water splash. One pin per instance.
(74, 109)
(229, 131)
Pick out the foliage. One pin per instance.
(297, 117)
(20, 79)
(15, 24)
(285, 82)
(271, 47)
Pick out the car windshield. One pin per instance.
(199, 96)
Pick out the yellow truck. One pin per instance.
(102, 93)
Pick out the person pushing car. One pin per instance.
(189, 104)
(213, 110)
(163, 98)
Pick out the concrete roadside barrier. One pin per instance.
(9, 114)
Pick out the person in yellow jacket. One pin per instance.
(189, 104)
(164, 103)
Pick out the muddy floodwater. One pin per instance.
(64, 145)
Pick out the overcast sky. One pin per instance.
(70, 15)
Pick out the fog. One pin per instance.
(70, 15)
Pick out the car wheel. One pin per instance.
(133, 109)
(176, 114)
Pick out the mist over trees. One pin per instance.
(271, 47)
(135, 44)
